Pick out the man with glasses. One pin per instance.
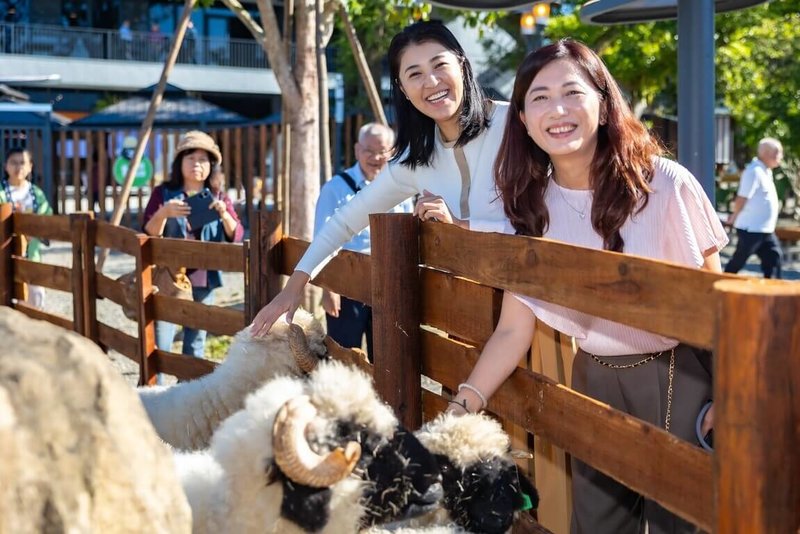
(349, 320)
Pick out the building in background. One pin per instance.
(77, 46)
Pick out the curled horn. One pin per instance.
(306, 360)
(294, 456)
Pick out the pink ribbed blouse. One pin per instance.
(678, 224)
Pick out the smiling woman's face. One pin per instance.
(562, 111)
(431, 77)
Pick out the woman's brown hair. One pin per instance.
(622, 166)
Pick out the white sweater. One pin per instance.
(396, 183)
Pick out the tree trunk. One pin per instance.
(304, 119)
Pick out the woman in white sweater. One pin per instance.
(448, 134)
(577, 166)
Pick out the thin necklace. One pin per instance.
(581, 213)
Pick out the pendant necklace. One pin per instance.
(581, 213)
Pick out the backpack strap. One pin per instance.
(349, 181)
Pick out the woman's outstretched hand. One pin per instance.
(286, 301)
(432, 207)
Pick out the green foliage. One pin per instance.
(217, 347)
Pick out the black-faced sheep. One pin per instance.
(185, 415)
(483, 489)
(321, 454)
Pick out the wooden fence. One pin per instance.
(435, 290)
(251, 160)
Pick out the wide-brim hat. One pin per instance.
(195, 140)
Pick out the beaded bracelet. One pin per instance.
(476, 391)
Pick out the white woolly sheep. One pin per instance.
(185, 415)
(482, 485)
(284, 462)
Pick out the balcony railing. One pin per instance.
(42, 40)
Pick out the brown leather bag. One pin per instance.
(169, 283)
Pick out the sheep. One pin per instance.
(185, 415)
(320, 454)
(482, 485)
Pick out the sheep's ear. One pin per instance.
(271, 473)
(528, 496)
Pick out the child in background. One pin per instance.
(26, 198)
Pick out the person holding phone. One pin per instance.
(177, 209)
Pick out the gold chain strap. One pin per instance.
(649, 359)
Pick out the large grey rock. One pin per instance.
(77, 452)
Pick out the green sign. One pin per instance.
(143, 174)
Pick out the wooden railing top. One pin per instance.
(660, 297)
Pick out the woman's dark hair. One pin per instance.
(17, 150)
(176, 175)
(623, 163)
(415, 130)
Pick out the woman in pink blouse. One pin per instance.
(576, 165)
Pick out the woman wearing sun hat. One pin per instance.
(166, 216)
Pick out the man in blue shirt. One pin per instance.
(755, 212)
(349, 320)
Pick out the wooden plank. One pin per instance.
(786, 233)
(182, 366)
(62, 169)
(112, 156)
(458, 306)
(43, 274)
(235, 178)
(116, 238)
(6, 254)
(660, 297)
(82, 291)
(432, 405)
(41, 315)
(145, 312)
(271, 245)
(102, 168)
(178, 253)
(54, 227)
(262, 163)
(347, 274)
(552, 358)
(114, 339)
(396, 314)
(76, 169)
(215, 319)
(643, 457)
(757, 407)
(89, 185)
(227, 157)
(109, 288)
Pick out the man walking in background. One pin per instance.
(349, 320)
(755, 212)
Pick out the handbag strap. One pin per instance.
(349, 181)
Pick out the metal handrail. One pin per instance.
(91, 43)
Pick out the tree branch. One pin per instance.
(270, 38)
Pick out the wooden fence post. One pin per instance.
(6, 253)
(396, 313)
(146, 323)
(84, 289)
(757, 402)
(264, 260)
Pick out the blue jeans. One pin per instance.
(765, 246)
(194, 341)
